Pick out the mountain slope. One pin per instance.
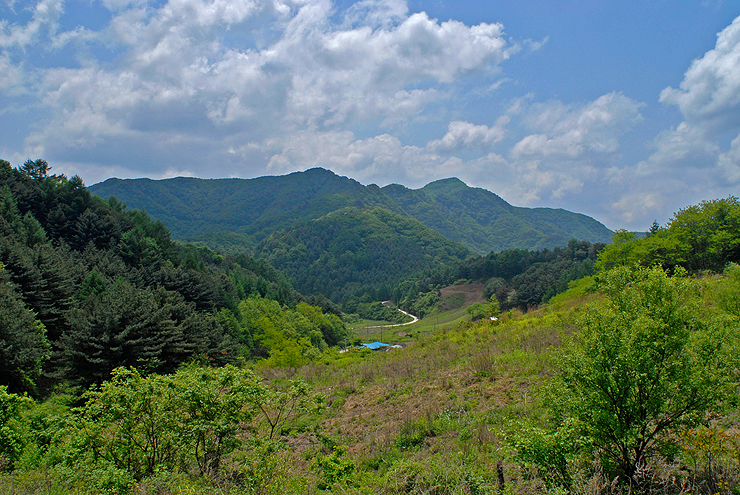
(240, 213)
(354, 251)
(483, 222)
(192, 208)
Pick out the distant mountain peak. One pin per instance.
(445, 186)
(317, 171)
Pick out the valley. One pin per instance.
(137, 363)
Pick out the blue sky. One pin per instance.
(622, 110)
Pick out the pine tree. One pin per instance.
(23, 344)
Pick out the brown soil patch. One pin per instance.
(473, 292)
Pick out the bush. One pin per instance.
(12, 439)
(645, 366)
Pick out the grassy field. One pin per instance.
(450, 413)
(439, 411)
(444, 415)
(451, 311)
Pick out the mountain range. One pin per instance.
(239, 214)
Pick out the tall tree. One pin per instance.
(23, 344)
(123, 326)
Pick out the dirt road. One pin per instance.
(414, 320)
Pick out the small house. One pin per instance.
(374, 345)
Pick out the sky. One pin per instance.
(623, 110)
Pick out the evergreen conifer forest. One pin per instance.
(135, 363)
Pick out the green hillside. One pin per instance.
(355, 251)
(483, 222)
(625, 385)
(133, 364)
(200, 208)
(87, 286)
(212, 211)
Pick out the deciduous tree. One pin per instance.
(645, 365)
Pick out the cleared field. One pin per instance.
(472, 293)
(452, 309)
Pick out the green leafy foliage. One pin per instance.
(553, 452)
(479, 311)
(697, 238)
(334, 468)
(642, 387)
(644, 367)
(11, 435)
(129, 423)
(284, 336)
(726, 292)
(373, 310)
(191, 420)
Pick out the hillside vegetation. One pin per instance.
(192, 208)
(88, 286)
(515, 278)
(605, 390)
(214, 210)
(328, 235)
(484, 223)
(357, 252)
(697, 238)
(133, 364)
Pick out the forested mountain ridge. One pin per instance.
(483, 222)
(242, 212)
(193, 208)
(353, 251)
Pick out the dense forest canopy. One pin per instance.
(89, 285)
(356, 244)
(516, 278)
(703, 237)
(699, 238)
(237, 214)
(483, 222)
(356, 252)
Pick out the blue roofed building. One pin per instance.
(374, 345)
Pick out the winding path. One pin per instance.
(414, 320)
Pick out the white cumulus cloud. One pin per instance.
(709, 100)
(464, 135)
(709, 94)
(369, 89)
(573, 145)
(44, 18)
(586, 132)
(226, 73)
